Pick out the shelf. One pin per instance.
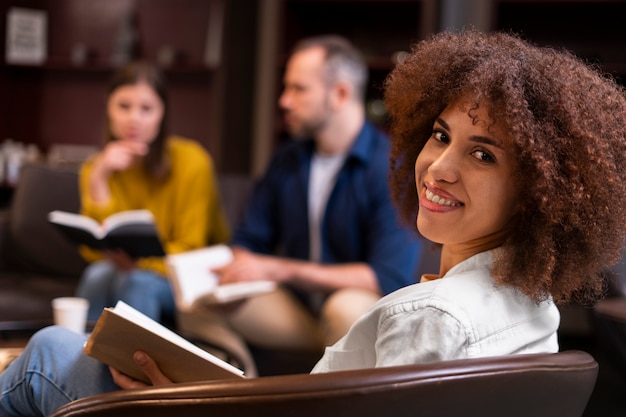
(63, 64)
(593, 30)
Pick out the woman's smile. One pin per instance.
(437, 200)
(464, 178)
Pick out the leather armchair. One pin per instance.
(536, 385)
(610, 328)
(610, 318)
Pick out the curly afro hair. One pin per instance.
(567, 122)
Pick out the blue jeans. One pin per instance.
(52, 371)
(103, 285)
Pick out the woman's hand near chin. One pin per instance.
(116, 156)
(119, 156)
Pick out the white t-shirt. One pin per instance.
(324, 170)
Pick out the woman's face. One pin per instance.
(464, 179)
(135, 112)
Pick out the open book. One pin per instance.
(195, 284)
(133, 231)
(122, 330)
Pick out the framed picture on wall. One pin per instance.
(26, 37)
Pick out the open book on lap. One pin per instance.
(122, 330)
(195, 284)
(133, 231)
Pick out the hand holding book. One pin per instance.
(195, 284)
(121, 331)
(133, 231)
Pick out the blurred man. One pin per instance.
(320, 222)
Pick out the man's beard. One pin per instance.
(307, 129)
(301, 133)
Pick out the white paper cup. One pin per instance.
(71, 312)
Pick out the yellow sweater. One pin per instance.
(186, 205)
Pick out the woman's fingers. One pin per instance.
(150, 368)
(124, 381)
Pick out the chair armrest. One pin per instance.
(535, 385)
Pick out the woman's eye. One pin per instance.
(440, 136)
(483, 156)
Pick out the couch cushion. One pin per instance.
(34, 242)
(25, 299)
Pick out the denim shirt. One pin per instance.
(461, 315)
(360, 222)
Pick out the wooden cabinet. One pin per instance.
(62, 100)
(229, 103)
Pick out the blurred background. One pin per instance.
(224, 61)
(224, 58)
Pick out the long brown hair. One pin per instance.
(156, 162)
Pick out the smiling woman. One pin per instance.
(464, 182)
(529, 145)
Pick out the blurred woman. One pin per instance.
(141, 166)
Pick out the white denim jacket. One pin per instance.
(461, 315)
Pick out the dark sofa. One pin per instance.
(37, 263)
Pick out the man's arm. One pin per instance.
(248, 266)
